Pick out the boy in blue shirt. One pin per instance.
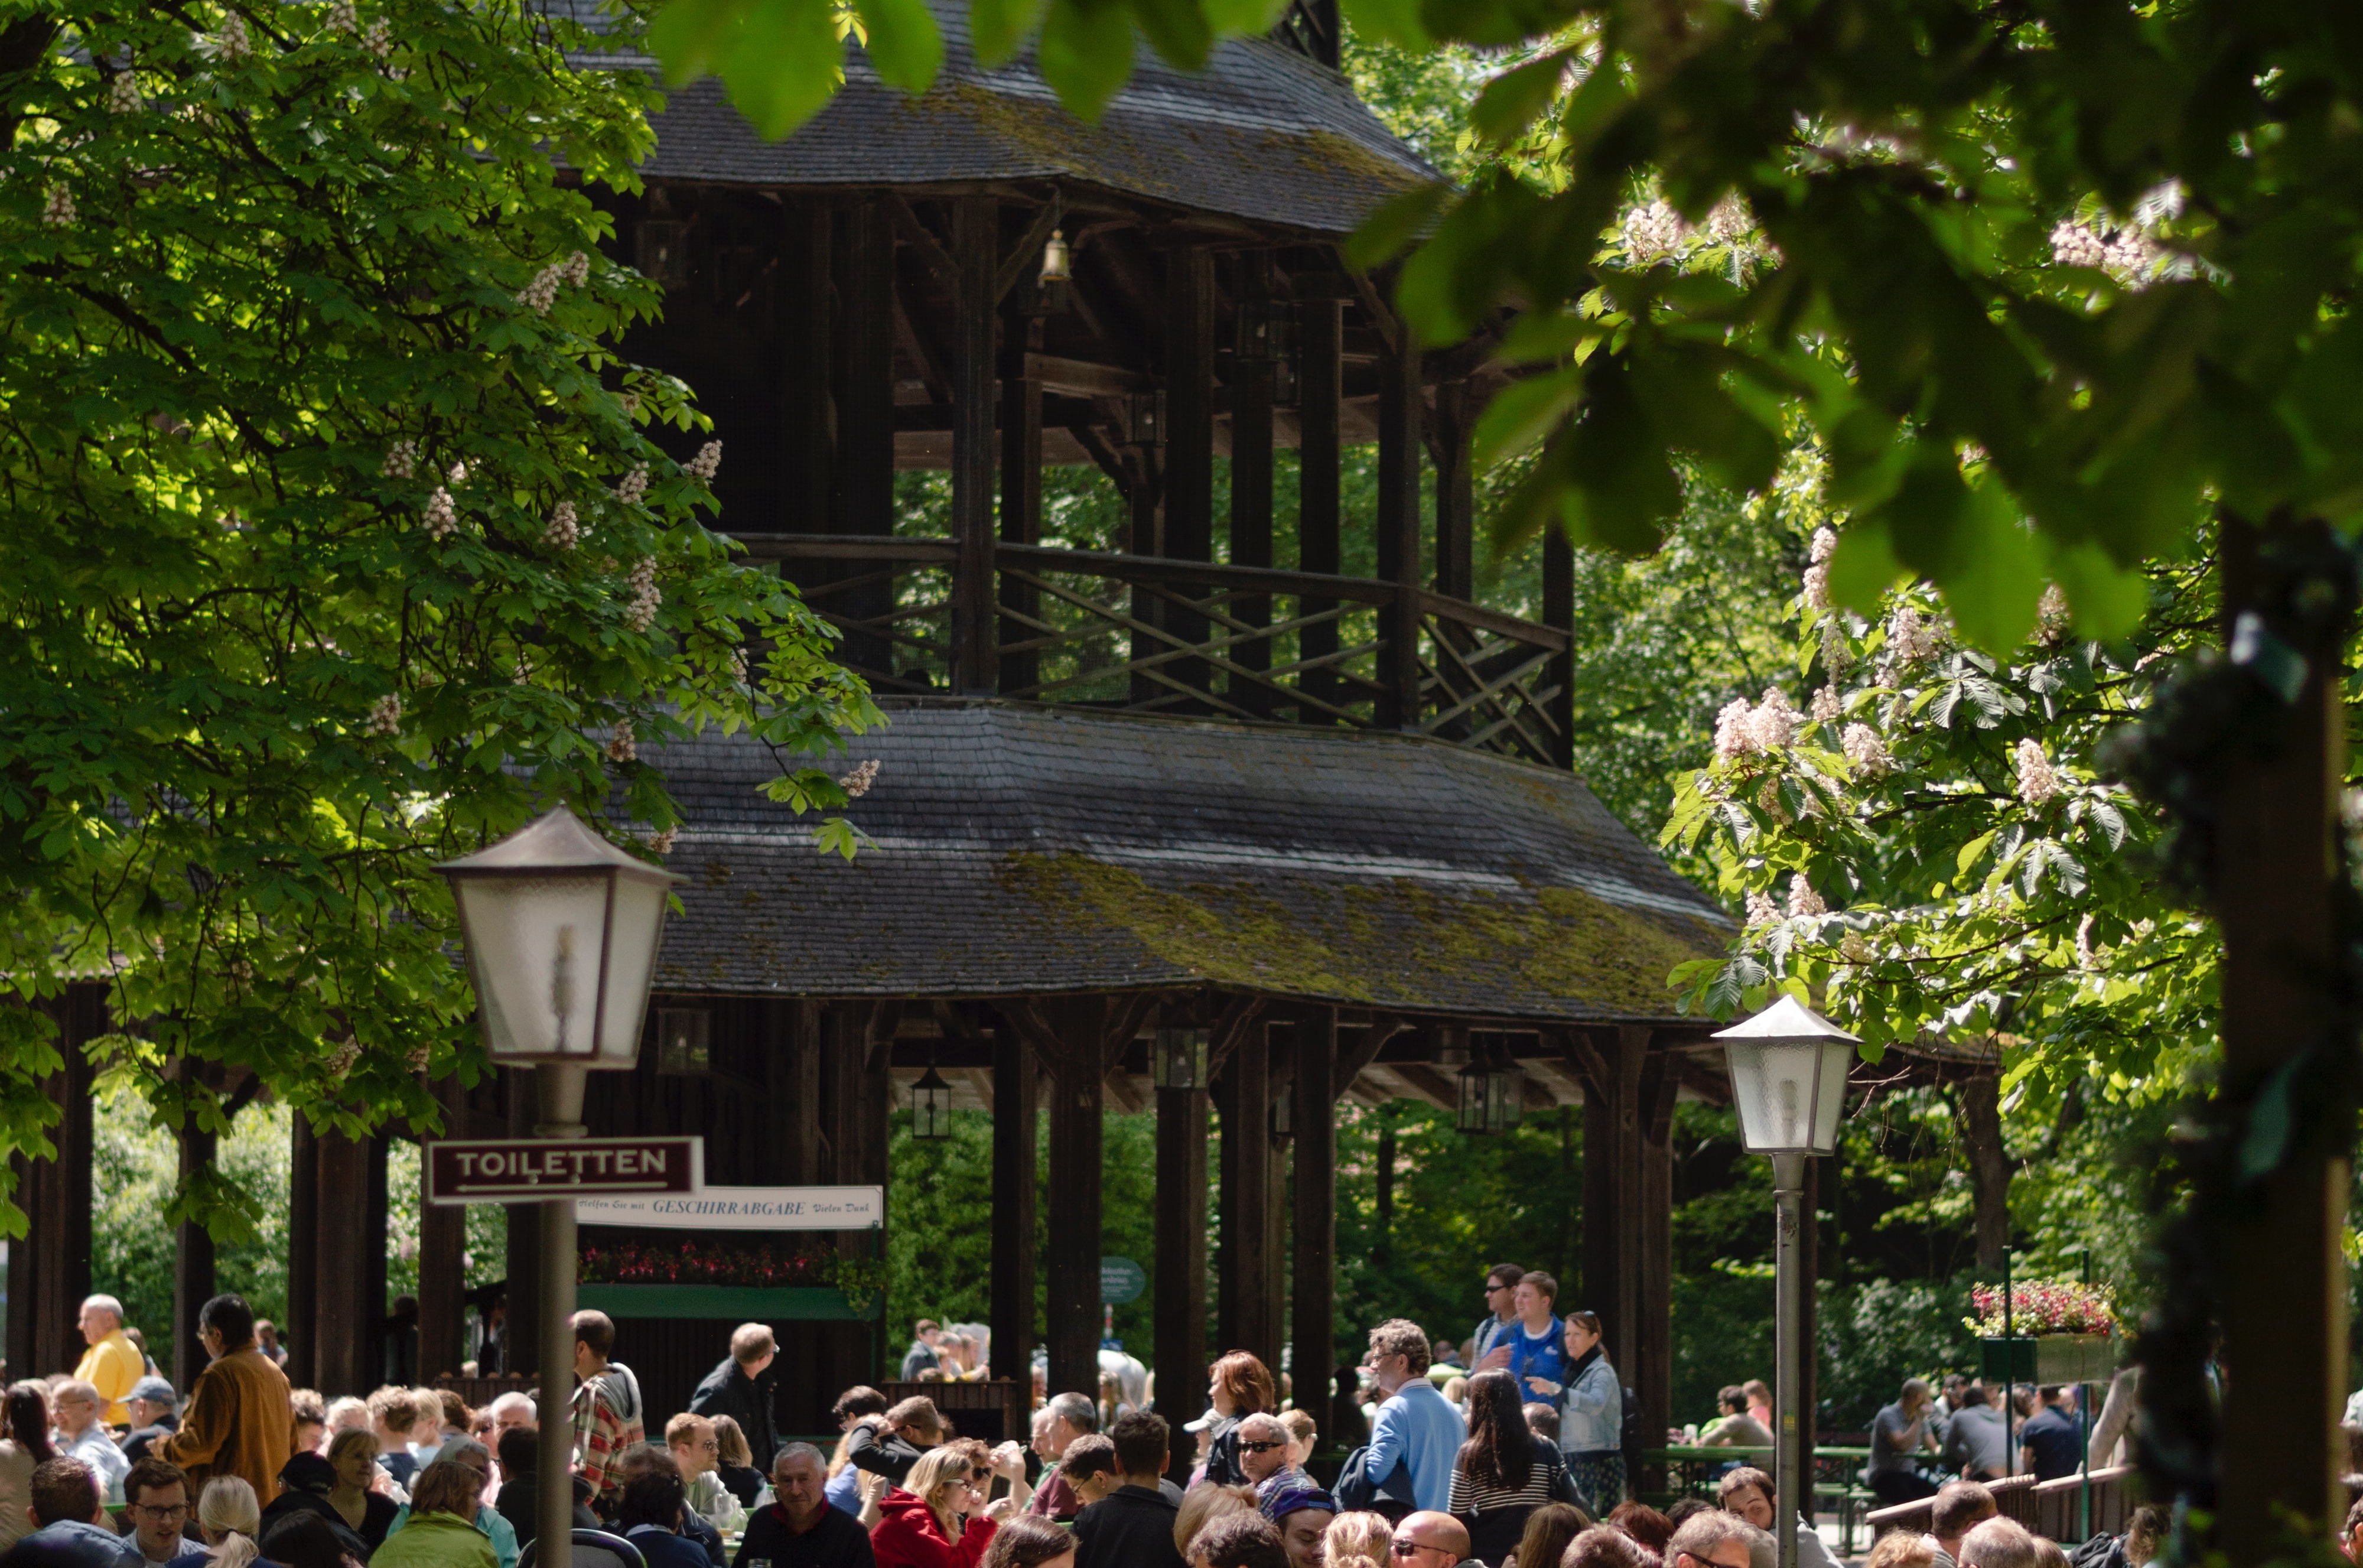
(1532, 1348)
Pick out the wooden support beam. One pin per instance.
(1321, 382)
(1181, 1275)
(976, 232)
(1313, 1314)
(1015, 1094)
(1021, 484)
(346, 1316)
(1652, 1366)
(442, 1263)
(861, 473)
(942, 263)
(300, 1333)
(1243, 1297)
(1251, 483)
(1455, 490)
(805, 304)
(1398, 530)
(1189, 433)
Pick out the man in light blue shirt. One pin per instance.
(1417, 1430)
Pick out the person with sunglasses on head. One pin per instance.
(1430, 1540)
(1712, 1539)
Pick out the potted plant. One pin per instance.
(2057, 1331)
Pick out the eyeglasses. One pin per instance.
(1263, 1446)
(1410, 1548)
(160, 1510)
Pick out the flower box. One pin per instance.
(2049, 1358)
(736, 1303)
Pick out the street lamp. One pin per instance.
(561, 930)
(1788, 1081)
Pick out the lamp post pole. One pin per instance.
(559, 1087)
(1792, 1459)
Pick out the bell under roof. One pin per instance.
(1021, 850)
(1264, 134)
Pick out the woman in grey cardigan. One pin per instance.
(1591, 1416)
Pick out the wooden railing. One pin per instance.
(1144, 634)
(2054, 1509)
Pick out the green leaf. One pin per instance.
(1177, 29)
(1086, 53)
(1390, 21)
(1992, 570)
(2106, 600)
(1622, 489)
(784, 64)
(1511, 101)
(1523, 413)
(997, 28)
(904, 43)
(1398, 221)
(1864, 568)
(1970, 851)
(1229, 18)
(692, 37)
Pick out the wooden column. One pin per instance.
(522, 1326)
(373, 1252)
(1181, 1327)
(59, 1210)
(1251, 397)
(1455, 490)
(1021, 480)
(1398, 527)
(1610, 1063)
(1189, 434)
(193, 1266)
(976, 231)
(1243, 1309)
(862, 472)
(302, 1334)
(345, 1314)
(442, 1260)
(873, 1106)
(792, 1079)
(1016, 1092)
(1650, 1373)
(2274, 875)
(1321, 379)
(1558, 610)
(806, 305)
(1312, 1315)
(1073, 1325)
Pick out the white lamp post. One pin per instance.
(1788, 1081)
(561, 930)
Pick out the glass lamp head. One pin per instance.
(561, 930)
(1789, 1068)
(931, 1106)
(1180, 1062)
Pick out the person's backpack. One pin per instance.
(1356, 1491)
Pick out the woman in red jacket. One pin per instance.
(926, 1523)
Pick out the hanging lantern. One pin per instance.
(1491, 1096)
(931, 1106)
(1180, 1059)
(1056, 261)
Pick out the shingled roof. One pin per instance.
(1025, 850)
(1263, 133)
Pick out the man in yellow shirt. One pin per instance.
(113, 1363)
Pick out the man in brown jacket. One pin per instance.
(240, 1421)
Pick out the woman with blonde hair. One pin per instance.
(1357, 1541)
(230, 1518)
(1202, 1506)
(368, 1513)
(938, 1518)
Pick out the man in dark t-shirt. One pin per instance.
(2049, 1445)
(800, 1530)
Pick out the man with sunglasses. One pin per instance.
(1430, 1539)
(1502, 1313)
(1263, 1450)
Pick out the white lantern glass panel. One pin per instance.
(634, 931)
(1790, 1094)
(533, 949)
(1180, 1059)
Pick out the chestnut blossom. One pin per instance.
(1653, 231)
(1826, 706)
(1817, 586)
(1774, 722)
(1910, 637)
(641, 614)
(662, 842)
(381, 38)
(2038, 781)
(1866, 751)
(123, 93)
(457, 475)
(2051, 614)
(542, 293)
(577, 270)
(1802, 899)
(385, 716)
(1825, 544)
(857, 782)
(1762, 910)
(635, 485)
(2084, 942)
(401, 460)
(705, 464)
(562, 532)
(1735, 730)
(342, 1059)
(621, 747)
(1730, 220)
(441, 515)
(739, 665)
(231, 42)
(58, 208)
(342, 19)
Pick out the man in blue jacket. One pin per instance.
(1417, 1430)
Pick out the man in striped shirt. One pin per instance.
(609, 1415)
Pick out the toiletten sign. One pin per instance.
(534, 1170)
